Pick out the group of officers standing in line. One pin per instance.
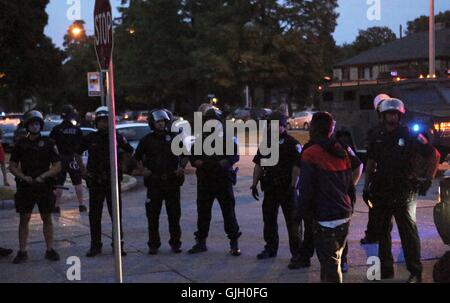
(313, 184)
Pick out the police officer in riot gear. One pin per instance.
(215, 179)
(67, 137)
(279, 184)
(98, 176)
(35, 162)
(370, 233)
(163, 173)
(392, 181)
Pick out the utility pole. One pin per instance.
(432, 46)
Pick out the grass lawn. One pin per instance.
(6, 193)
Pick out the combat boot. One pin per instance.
(200, 246)
(234, 248)
(94, 250)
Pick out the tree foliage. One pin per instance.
(421, 24)
(29, 61)
(183, 50)
(367, 39)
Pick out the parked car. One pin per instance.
(300, 120)
(260, 113)
(240, 114)
(8, 136)
(14, 116)
(87, 130)
(52, 117)
(48, 126)
(136, 116)
(133, 132)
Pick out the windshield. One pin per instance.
(134, 133)
(48, 126)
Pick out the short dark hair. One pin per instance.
(322, 123)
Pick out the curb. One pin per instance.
(7, 204)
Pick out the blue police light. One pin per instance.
(416, 127)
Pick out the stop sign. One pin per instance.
(103, 32)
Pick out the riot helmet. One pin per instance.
(378, 100)
(68, 112)
(31, 117)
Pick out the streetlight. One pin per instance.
(76, 31)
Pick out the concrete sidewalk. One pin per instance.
(215, 265)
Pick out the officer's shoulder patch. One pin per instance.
(41, 143)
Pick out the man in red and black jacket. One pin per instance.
(327, 194)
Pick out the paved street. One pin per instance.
(216, 265)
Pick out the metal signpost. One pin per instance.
(103, 24)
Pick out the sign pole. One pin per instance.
(114, 173)
(103, 24)
(102, 89)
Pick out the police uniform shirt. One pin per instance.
(67, 136)
(154, 150)
(289, 153)
(395, 153)
(34, 156)
(211, 170)
(97, 144)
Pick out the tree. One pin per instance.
(183, 50)
(150, 54)
(29, 61)
(366, 39)
(80, 59)
(373, 37)
(421, 24)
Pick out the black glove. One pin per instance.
(367, 197)
(255, 192)
(423, 187)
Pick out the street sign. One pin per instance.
(94, 89)
(103, 33)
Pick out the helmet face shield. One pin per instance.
(378, 99)
(159, 115)
(101, 113)
(392, 105)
